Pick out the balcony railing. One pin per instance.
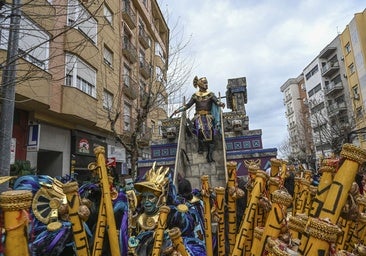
(129, 50)
(334, 109)
(145, 68)
(333, 87)
(330, 69)
(130, 87)
(128, 15)
(144, 39)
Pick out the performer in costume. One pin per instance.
(206, 117)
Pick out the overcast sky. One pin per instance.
(266, 41)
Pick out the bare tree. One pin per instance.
(153, 99)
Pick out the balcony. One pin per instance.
(145, 68)
(144, 39)
(79, 105)
(130, 87)
(333, 88)
(336, 108)
(128, 15)
(129, 50)
(144, 137)
(327, 52)
(330, 69)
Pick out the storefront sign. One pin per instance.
(33, 137)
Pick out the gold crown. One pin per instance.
(155, 180)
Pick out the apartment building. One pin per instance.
(353, 45)
(331, 100)
(298, 126)
(80, 64)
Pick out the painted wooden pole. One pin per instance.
(175, 236)
(220, 204)
(280, 201)
(107, 201)
(15, 204)
(353, 157)
(80, 237)
(245, 233)
(207, 213)
(159, 231)
(231, 205)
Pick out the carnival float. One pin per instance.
(169, 210)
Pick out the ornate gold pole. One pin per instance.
(107, 202)
(207, 213)
(245, 233)
(302, 196)
(175, 236)
(15, 204)
(353, 157)
(231, 205)
(275, 167)
(79, 233)
(276, 217)
(159, 232)
(327, 170)
(220, 199)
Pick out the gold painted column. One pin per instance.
(231, 205)
(207, 213)
(280, 201)
(175, 236)
(352, 157)
(15, 204)
(79, 233)
(245, 234)
(220, 204)
(107, 202)
(159, 231)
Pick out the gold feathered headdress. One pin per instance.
(155, 180)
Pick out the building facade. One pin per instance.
(80, 65)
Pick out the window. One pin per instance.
(108, 14)
(107, 100)
(359, 112)
(142, 87)
(347, 48)
(127, 116)
(108, 56)
(80, 75)
(312, 72)
(159, 74)
(351, 68)
(316, 89)
(356, 95)
(33, 40)
(126, 75)
(79, 18)
(142, 58)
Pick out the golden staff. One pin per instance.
(79, 233)
(231, 205)
(327, 169)
(175, 236)
(207, 213)
(281, 200)
(220, 199)
(337, 196)
(106, 213)
(159, 232)
(15, 204)
(245, 233)
(275, 167)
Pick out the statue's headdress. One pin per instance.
(199, 82)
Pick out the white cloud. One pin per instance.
(265, 41)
